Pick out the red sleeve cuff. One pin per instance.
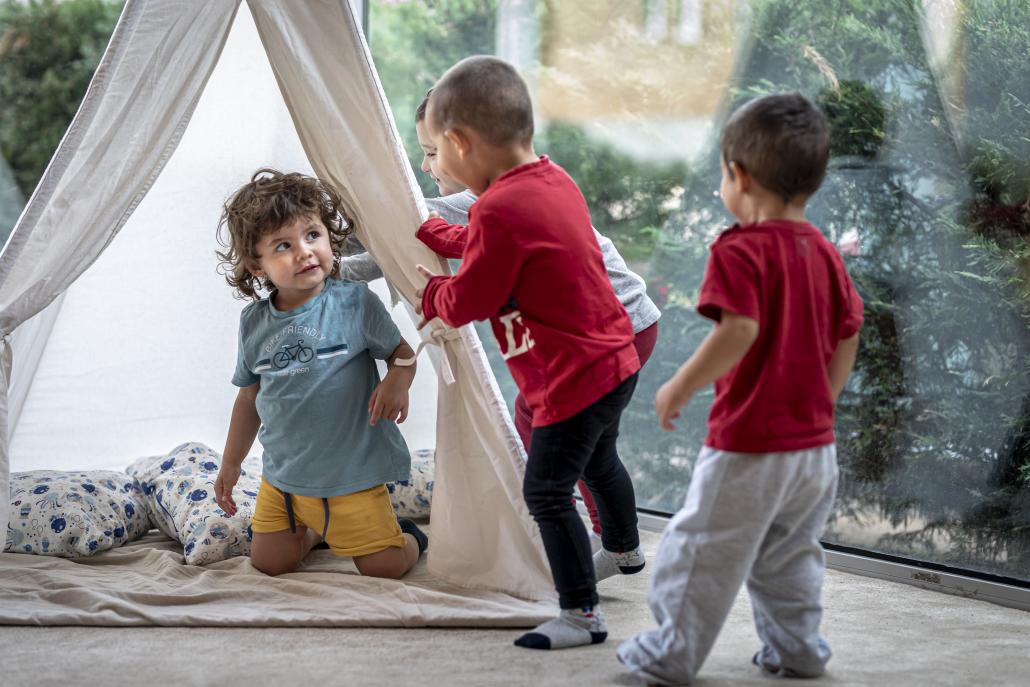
(429, 310)
(713, 306)
(442, 238)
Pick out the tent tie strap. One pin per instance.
(435, 337)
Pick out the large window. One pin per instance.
(48, 51)
(928, 198)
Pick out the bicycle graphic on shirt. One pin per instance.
(289, 353)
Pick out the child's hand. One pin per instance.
(389, 401)
(227, 478)
(425, 272)
(433, 214)
(668, 403)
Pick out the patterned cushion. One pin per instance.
(411, 498)
(73, 514)
(179, 490)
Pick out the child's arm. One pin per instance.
(389, 400)
(841, 364)
(360, 267)
(484, 282)
(721, 350)
(357, 264)
(442, 238)
(243, 428)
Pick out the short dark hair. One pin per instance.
(782, 140)
(420, 111)
(270, 200)
(487, 95)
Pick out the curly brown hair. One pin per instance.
(269, 201)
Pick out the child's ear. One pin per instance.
(460, 140)
(740, 176)
(254, 269)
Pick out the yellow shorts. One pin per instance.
(359, 523)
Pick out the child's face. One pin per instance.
(456, 155)
(297, 258)
(444, 183)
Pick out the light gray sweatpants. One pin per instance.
(754, 517)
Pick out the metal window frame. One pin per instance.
(361, 10)
(922, 576)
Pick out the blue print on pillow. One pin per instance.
(179, 491)
(412, 498)
(73, 514)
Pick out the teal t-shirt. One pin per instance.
(317, 372)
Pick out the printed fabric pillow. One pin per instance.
(179, 491)
(74, 514)
(412, 498)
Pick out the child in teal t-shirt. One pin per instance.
(309, 386)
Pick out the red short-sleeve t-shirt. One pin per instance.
(792, 281)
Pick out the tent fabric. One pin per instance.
(146, 583)
(129, 122)
(139, 348)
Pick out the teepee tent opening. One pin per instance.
(119, 335)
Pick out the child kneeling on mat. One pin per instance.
(308, 382)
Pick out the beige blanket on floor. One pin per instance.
(148, 583)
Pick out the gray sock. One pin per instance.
(574, 627)
(608, 563)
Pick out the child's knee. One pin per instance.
(542, 499)
(273, 565)
(390, 563)
(276, 553)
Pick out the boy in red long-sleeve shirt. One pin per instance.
(532, 266)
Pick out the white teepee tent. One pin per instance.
(118, 335)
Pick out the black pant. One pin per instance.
(559, 454)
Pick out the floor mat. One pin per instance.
(148, 583)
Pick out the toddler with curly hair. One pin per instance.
(309, 386)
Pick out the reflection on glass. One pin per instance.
(11, 201)
(48, 52)
(927, 196)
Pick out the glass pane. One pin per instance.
(11, 200)
(48, 52)
(927, 197)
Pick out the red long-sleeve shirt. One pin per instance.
(444, 239)
(532, 266)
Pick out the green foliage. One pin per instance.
(935, 423)
(414, 43)
(856, 117)
(626, 196)
(48, 52)
(997, 113)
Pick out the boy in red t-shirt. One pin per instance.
(532, 265)
(785, 341)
